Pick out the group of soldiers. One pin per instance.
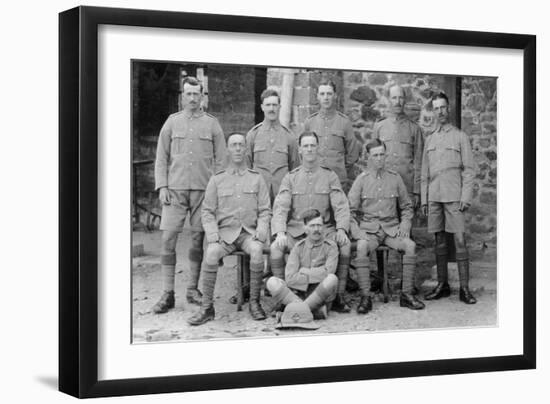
(299, 197)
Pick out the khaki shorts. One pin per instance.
(382, 238)
(182, 203)
(445, 216)
(245, 242)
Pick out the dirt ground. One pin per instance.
(229, 323)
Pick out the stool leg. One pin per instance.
(385, 284)
(240, 269)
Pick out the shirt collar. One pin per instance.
(236, 170)
(271, 124)
(312, 169)
(196, 114)
(396, 117)
(374, 172)
(310, 243)
(329, 114)
(443, 128)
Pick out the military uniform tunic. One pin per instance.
(236, 200)
(338, 147)
(272, 150)
(447, 167)
(191, 147)
(404, 145)
(303, 189)
(380, 202)
(310, 263)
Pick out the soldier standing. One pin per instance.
(404, 144)
(338, 147)
(235, 214)
(312, 186)
(446, 190)
(191, 147)
(381, 214)
(272, 149)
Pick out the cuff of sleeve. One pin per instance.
(299, 282)
(212, 237)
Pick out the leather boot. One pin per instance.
(256, 281)
(193, 296)
(464, 275)
(205, 314)
(165, 303)
(340, 305)
(320, 313)
(410, 301)
(442, 289)
(365, 305)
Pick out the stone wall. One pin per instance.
(479, 121)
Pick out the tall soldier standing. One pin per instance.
(339, 150)
(191, 147)
(446, 190)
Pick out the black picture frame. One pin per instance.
(78, 201)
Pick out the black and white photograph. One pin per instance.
(274, 201)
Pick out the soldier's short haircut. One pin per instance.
(375, 143)
(306, 134)
(235, 133)
(192, 81)
(327, 82)
(440, 95)
(269, 92)
(310, 214)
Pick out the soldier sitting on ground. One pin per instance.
(310, 270)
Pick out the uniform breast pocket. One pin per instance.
(225, 195)
(206, 145)
(452, 156)
(280, 157)
(178, 143)
(322, 197)
(260, 158)
(335, 141)
(250, 196)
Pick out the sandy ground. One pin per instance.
(229, 323)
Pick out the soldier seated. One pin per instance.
(311, 186)
(378, 199)
(235, 215)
